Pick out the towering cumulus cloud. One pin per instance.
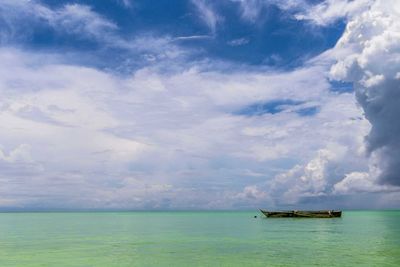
(368, 55)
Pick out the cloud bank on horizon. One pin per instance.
(199, 104)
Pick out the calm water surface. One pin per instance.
(360, 238)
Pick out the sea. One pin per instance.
(198, 238)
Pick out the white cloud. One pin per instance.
(238, 42)
(19, 154)
(70, 18)
(80, 19)
(84, 23)
(252, 192)
(329, 11)
(322, 14)
(174, 140)
(157, 139)
(368, 54)
(207, 14)
(251, 10)
(271, 132)
(316, 177)
(126, 3)
(359, 182)
(263, 153)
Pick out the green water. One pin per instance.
(360, 238)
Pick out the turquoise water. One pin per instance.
(360, 238)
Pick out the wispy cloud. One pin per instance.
(322, 13)
(77, 22)
(207, 14)
(238, 42)
(126, 3)
(193, 37)
(252, 9)
(70, 18)
(330, 11)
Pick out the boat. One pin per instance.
(303, 213)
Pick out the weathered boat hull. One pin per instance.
(303, 214)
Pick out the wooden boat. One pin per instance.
(303, 213)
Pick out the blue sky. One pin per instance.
(129, 104)
(272, 37)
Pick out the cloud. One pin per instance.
(207, 14)
(80, 22)
(252, 192)
(364, 182)
(238, 42)
(321, 175)
(329, 11)
(316, 178)
(79, 25)
(322, 13)
(19, 154)
(74, 19)
(193, 37)
(368, 55)
(126, 3)
(252, 9)
(361, 182)
(157, 139)
(79, 19)
(178, 134)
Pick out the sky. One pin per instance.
(198, 105)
